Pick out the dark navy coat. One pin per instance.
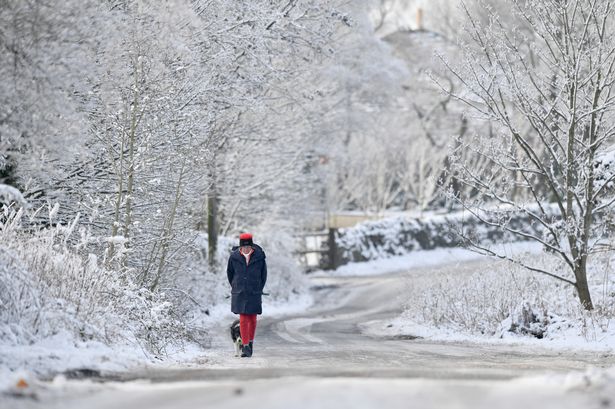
(247, 281)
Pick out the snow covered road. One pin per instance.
(320, 358)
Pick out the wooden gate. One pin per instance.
(318, 250)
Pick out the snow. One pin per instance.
(299, 303)
(60, 353)
(114, 303)
(301, 392)
(136, 328)
(568, 340)
(399, 235)
(117, 240)
(564, 326)
(592, 388)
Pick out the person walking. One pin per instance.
(247, 275)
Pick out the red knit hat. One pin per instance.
(245, 239)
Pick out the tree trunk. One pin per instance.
(118, 202)
(134, 123)
(581, 285)
(167, 230)
(212, 227)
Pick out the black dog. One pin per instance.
(236, 337)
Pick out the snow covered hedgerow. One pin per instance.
(384, 238)
(504, 300)
(50, 285)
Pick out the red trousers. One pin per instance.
(247, 327)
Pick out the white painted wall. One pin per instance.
(402, 14)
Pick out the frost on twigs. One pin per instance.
(545, 154)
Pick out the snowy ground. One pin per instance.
(60, 354)
(580, 391)
(570, 341)
(322, 355)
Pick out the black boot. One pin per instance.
(251, 347)
(245, 351)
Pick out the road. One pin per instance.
(320, 358)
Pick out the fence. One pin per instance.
(319, 250)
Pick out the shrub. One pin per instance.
(50, 284)
(503, 298)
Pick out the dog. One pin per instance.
(236, 337)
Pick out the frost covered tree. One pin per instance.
(261, 141)
(173, 99)
(45, 49)
(132, 114)
(358, 122)
(389, 123)
(546, 86)
(146, 140)
(429, 119)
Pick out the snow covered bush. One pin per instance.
(474, 302)
(49, 284)
(152, 318)
(372, 240)
(504, 299)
